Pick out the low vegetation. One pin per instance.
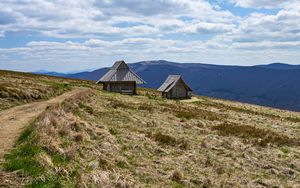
(20, 88)
(46, 151)
(105, 139)
(246, 110)
(262, 137)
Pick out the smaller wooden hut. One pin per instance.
(175, 88)
(120, 78)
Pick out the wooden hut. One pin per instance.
(175, 88)
(120, 79)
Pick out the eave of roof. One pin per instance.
(120, 72)
(170, 82)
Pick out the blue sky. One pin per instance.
(74, 35)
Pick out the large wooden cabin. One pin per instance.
(120, 78)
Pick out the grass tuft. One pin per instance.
(170, 140)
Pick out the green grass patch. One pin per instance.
(177, 185)
(23, 159)
(113, 131)
(58, 159)
(122, 164)
(26, 135)
(285, 150)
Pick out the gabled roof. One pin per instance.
(121, 72)
(170, 82)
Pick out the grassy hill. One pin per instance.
(108, 139)
(18, 88)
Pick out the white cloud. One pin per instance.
(101, 31)
(91, 18)
(269, 4)
(262, 31)
(207, 28)
(95, 53)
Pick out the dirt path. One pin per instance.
(13, 120)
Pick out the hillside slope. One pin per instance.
(18, 88)
(13, 120)
(116, 140)
(276, 85)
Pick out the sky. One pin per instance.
(76, 35)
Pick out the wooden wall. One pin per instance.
(121, 87)
(179, 91)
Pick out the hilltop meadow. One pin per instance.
(102, 139)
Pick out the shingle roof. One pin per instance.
(120, 72)
(170, 82)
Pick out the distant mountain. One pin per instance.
(50, 73)
(276, 85)
(280, 66)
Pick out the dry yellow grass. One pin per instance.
(19, 88)
(114, 140)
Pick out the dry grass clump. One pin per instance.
(177, 176)
(169, 140)
(13, 179)
(263, 136)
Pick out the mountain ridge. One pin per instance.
(275, 85)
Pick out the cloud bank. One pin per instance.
(40, 34)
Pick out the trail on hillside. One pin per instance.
(13, 120)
